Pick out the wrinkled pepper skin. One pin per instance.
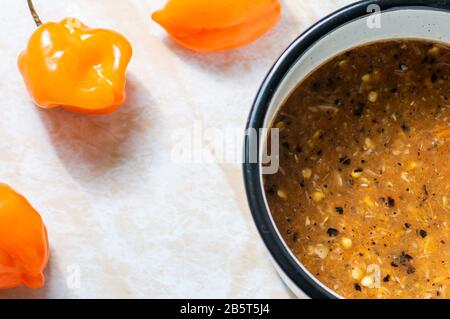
(80, 69)
(214, 25)
(23, 242)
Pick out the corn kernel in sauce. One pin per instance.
(366, 200)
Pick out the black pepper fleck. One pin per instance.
(406, 128)
(434, 77)
(332, 232)
(359, 109)
(405, 258)
(390, 202)
(410, 270)
(345, 160)
(425, 193)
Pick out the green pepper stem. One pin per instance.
(36, 18)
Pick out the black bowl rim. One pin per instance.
(287, 263)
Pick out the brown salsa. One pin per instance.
(362, 196)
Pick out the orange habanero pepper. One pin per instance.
(70, 65)
(23, 242)
(213, 25)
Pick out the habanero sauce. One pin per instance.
(362, 196)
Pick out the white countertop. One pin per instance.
(126, 218)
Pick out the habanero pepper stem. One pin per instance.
(36, 18)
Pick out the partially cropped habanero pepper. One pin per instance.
(214, 25)
(80, 69)
(23, 242)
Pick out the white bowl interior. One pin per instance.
(413, 23)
